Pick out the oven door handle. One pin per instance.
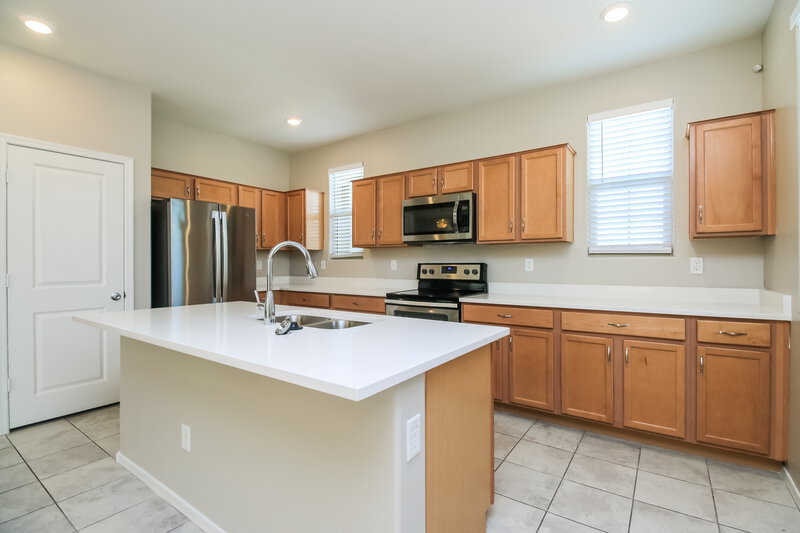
(407, 303)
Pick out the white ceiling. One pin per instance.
(241, 67)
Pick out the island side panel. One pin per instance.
(267, 455)
(458, 442)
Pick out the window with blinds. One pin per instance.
(341, 210)
(630, 180)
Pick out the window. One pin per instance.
(341, 194)
(630, 180)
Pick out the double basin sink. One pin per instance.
(321, 322)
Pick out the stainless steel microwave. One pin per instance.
(439, 219)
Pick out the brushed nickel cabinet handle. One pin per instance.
(433, 183)
(627, 348)
(608, 354)
(732, 333)
(702, 366)
(197, 193)
(380, 233)
(523, 224)
(510, 226)
(618, 325)
(700, 213)
(356, 303)
(187, 190)
(504, 316)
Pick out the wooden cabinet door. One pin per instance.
(251, 197)
(166, 184)
(313, 220)
(654, 379)
(391, 190)
(587, 372)
(733, 398)
(500, 369)
(296, 216)
(544, 196)
(364, 195)
(273, 218)
(727, 176)
(497, 199)
(456, 178)
(530, 368)
(422, 182)
(222, 192)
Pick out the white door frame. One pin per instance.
(127, 165)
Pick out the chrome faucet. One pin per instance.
(269, 302)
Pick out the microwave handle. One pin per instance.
(455, 215)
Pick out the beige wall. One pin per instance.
(781, 258)
(705, 84)
(52, 101)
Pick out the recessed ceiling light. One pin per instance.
(615, 12)
(294, 121)
(38, 26)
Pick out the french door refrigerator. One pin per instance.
(202, 252)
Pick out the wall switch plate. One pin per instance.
(186, 437)
(393, 264)
(322, 264)
(413, 437)
(259, 265)
(695, 265)
(529, 264)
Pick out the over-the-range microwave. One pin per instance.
(439, 219)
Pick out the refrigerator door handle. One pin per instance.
(224, 256)
(215, 215)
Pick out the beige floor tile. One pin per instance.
(760, 484)
(556, 436)
(15, 476)
(540, 457)
(110, 444)
(100, 503)
(755, 516)
(648, 518)
(675, 494)
(497, 462)
(602, 475)
(46, 438)
(503, 444)
(555, 524)
(513, 426)
(46, 520)
(84, 478)
(4, 442)
(509, 516)
(59, 462)
(525, 485)
(23, 500)
(726, 529)
(153, 515)
(608, 449)
(674, 464)
(188, 527)
(9, 457)
(98, 423)
(592, 507)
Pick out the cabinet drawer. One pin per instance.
(628, 325)
(512, 316)
(306, 299)
(741, 333)
(366, 304)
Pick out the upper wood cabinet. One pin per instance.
(446, 179)
(251, 197)
(527, 197)
(378, 211)
(587, 377)
(732, 176)
(208, 190)
(166, 184)
(273, 218)
(304, 220)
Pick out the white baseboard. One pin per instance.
(199, 519)
(792, 486)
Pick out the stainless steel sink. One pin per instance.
(302, 320)
(322, 322)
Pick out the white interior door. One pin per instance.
(65, 254)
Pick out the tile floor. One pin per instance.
(555, 479)
(60, 476)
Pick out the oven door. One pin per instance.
(439, 218)
(444, 312)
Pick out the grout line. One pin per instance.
(633, 493)
(572, 520)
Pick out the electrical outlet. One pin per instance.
(259, 265)
(322, 264)
(393, 264)
(186, 437)
(695, 265)
(529, 264)
(413, 437)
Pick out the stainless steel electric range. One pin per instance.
(439, 289)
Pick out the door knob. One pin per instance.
(115, 296)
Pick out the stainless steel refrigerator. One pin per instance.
(202, 252)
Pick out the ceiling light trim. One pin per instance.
(37, 25)
(616, 12)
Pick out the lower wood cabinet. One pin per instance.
(361, 304)
(733, 398)
(530, 368)
(305, 299)
(500, 369)
(587, 377)
(654, 387)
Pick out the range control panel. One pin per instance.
(456, 271)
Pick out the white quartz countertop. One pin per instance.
(353, 363)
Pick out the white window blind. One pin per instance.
(630, 180)
(341, 209)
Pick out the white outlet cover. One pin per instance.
(393, 264)
(529, 264)
(413, 437)
(186, 437)
(259, 265)
(695, 265)
(322, 264)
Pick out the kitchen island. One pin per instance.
(309, 431)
